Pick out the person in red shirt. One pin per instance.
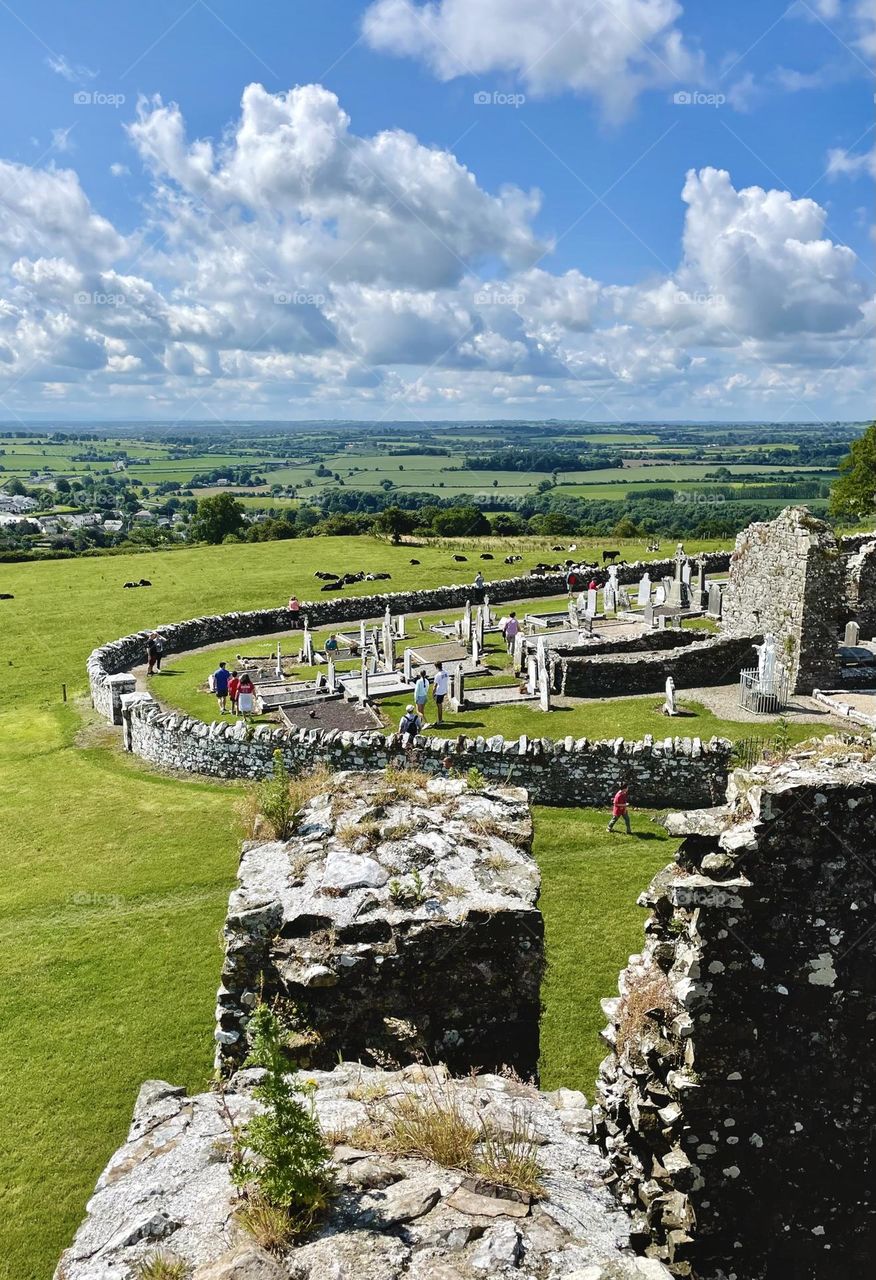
(233, 691)
(619, 806)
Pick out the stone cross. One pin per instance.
(363, 686)
(644, 596)
(677, 592)
(701, 575)
(544, 683)
(852, 634)
(363, 638)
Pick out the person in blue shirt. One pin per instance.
(221, 678)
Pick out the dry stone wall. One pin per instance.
(567, 771)
(787, 577)
(738, 1103)
(400, 922)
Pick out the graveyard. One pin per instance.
(590, 881)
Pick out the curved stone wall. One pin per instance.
(674, 771)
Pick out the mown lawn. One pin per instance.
(115, 878)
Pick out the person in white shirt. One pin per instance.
(440, 689)
(421, 693)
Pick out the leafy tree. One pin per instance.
(460, 522)
(216, 517)
(854, 494)
(394, 522)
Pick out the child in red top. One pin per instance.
(234, 691)
(619, 806)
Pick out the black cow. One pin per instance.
(131, 584)
(331, 586)
(609, 557)
(485, 555)
(414, 562)
(144, 582)
(4, 595)
(461, 559)
(326, 577)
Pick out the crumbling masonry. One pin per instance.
(737, 1107)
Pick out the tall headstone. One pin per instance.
(488, 613)
(279, 661)
(466, 624)
(306, 646)
(591, 602)
(457, 689)
(388, 649)
(479, 626)
(677, 594)
(623, 599)
(363, 685)
(519, 650)
(685, 573)
(331, 678)
(669, 708)
(475, 648)
(644, 596)
(574, 619)
(702, 586)
(363, 638)
(852, 634)
(400, 625)
(716, 600)
(544, 679)
(409, 665)
(532, 674)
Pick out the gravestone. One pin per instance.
(408, 671)
(660, 594)
(306, 647)
(544, 685)
(644, 596)
(479, 627)
(518, 651)
(363, 638)
(532, 674)
(466, 624)
(421, 624)
(457, 689)
(388, 645)
(331, 679)
(623, 599)
(852, 634)
(363, 686)
(279, 662)
(400, 623)
(475, 648)
(590, 609)
(677, 594)
(702, 586)
(669, 708)
(716, 601)
(488, 613)
(609, 599)
(573, 615)
(685, 573)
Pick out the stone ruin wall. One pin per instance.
(738, 1101)
(786, 577)
(450, 974)
(861, 590)
(711, 660)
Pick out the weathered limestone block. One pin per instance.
(399, 921)
(787, 578)
(738, 1101)
(168, 1186)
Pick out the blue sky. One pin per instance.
(609, 209)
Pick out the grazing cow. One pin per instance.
(461, 559)
(144, 582)
(377, 577)
(131, 584)
(556, 548)
(513, 559)
(4, 595)
(609, 557)
(414, 562)
(332, 586)
(485, 555)
(326, 577)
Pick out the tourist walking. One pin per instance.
(153, 655)
(479, 580)
(221, 679)
(620, 806)
(233, 691)
(421, 693)
(440, 689)
(294, 608)
(409, 725)
(510, 629)
(246, 695)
